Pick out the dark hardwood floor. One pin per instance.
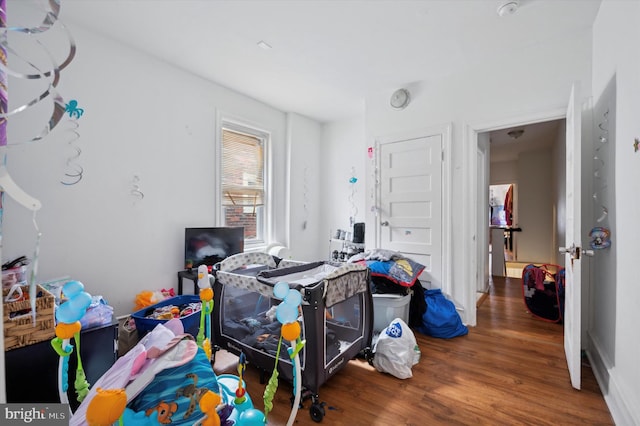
(510, 369)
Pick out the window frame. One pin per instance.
(263, 220)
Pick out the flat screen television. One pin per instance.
(208, 246)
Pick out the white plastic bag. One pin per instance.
(396, 350)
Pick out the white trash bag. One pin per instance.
(396, 350)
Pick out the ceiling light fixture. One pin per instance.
(263, 44)
(515, 134)
(508, 7)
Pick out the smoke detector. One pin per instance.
(508, 7)
(400, 99)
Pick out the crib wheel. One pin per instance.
(317, 412)
(367, 353)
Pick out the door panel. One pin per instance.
(411, 201)
(573, 245)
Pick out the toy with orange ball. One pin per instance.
(291, 331)
(287, 314)
(106, 407)
(68, 316)
(206, 298)
(240, 391)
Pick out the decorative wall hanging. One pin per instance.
(34, 270)
(74, 171)
(305, 200)
(353, 212)
(51, 75)
(374, 180)
(600, 238)
(135, 191)
(598, 173)
(51, 78)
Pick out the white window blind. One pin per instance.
(242, 169)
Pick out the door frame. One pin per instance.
(472, 253)
(483, 271)
(447, 230)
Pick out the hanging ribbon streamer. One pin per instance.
(4, 96)
(600, 235)
(74, 171)
(599, 168)
(353, 212)
(52, 74)
(34, 271)
(374, 180)
(135, 191)
(305, 200)
(603, 140)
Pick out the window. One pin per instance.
(243, 180)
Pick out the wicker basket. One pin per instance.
(19, 329)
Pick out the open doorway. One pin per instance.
(523, 170)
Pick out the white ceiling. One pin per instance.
(327, 55)
(536, 136)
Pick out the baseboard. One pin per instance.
(605, 374)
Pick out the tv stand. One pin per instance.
(190, 274)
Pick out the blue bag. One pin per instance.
(441, 318)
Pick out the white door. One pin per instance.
(411, 202)
(573, 245)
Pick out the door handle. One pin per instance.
(575, 252)
(385, 223)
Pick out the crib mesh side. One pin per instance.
(336, 319)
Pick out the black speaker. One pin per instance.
(358, 233)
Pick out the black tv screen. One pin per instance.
(208, 246)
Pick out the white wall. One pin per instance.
(535, 176)
(307, 241)
(535, 213)
(343, 150)
(503, 172)
(614, 332)
(141, 117)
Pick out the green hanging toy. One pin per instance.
(206, 298)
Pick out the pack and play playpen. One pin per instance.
(336, 316)
(543, 291)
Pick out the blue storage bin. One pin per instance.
(191, 323)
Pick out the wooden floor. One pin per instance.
(508, 370)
